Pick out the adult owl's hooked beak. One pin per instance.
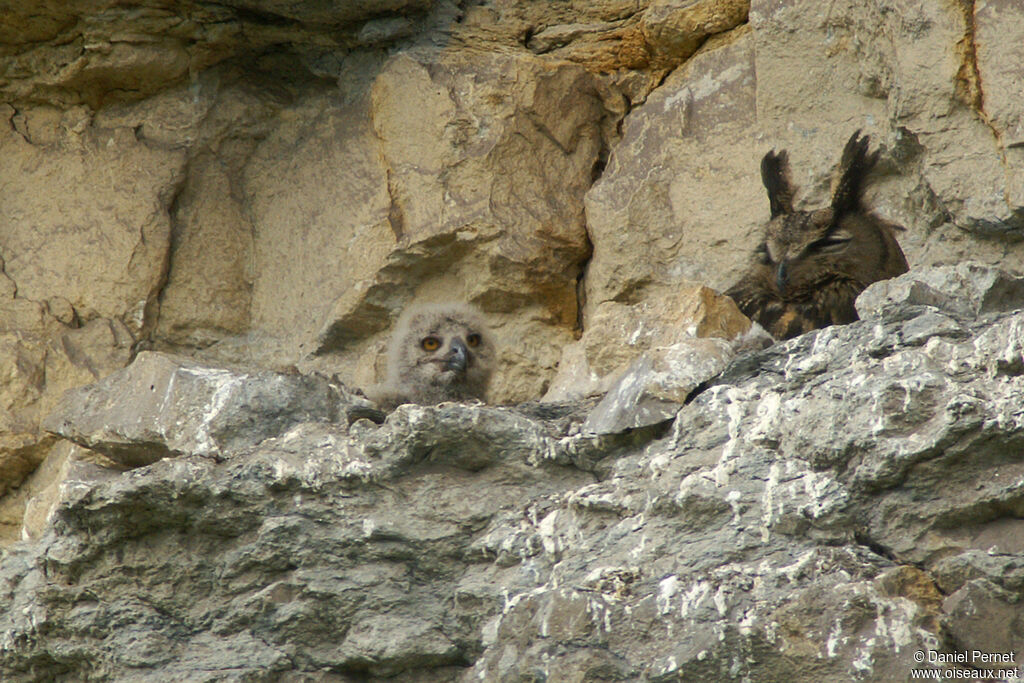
(781, 276)
(458, 357)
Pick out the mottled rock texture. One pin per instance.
(770, 531)
(253, 190)
(160, 406)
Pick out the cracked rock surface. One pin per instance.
(824, 508)
(212, 213)
(270, 182)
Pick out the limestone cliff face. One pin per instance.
(237, 199)
(829, 508)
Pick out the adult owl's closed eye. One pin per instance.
(438, 352)
(811, 265)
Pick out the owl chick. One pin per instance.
(811, 265)
(438, 352)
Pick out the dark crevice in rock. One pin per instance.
(741, 369)
(396, 216)
(581, 291)
(151, 311)
(600, 163)
(597, 170)
(700, 389)
(527, 36)
(862, 537)
(255, 17)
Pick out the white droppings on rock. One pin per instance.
(693, 598)
(666, 591)
(794, 571)
(223, 383)
(282, 470)
(864, 662)
(835, 637)
(824, 494)
(767, 502)
(747, 623)
(637, 552)
(733, 498)
(659, 463)
(720, 601)
(601, 613)
(726, 465)
(765, 428)
(668, 667)
(771, 631)
(546, 530)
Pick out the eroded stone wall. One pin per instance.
(843, 505)
(267, 183)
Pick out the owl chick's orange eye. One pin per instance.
(473, 340)
(430, 343)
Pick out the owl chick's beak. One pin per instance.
(458, 357)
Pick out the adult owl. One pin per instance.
(811, 265)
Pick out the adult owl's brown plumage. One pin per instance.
(438, 352)
(811, 265)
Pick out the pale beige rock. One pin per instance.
(100, 52)
(25, 511)
(937, 100)
(905, 72)
(105, 65)
(479, 177)
(174, 117)
(209, 287)
(22, 384)
(655, 386)
(97, 239)
(999, 52)
(38, 125)
(78, 356)
(657, 35)
(334, 225)
(682, 184)
(682, 197)
(37, 368)
(317, 194)
(221, 117)
(674, 29)
(617, 334)
(22, 381)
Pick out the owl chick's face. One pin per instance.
(447, 352)
(443, 352)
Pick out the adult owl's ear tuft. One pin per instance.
(775, 176)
